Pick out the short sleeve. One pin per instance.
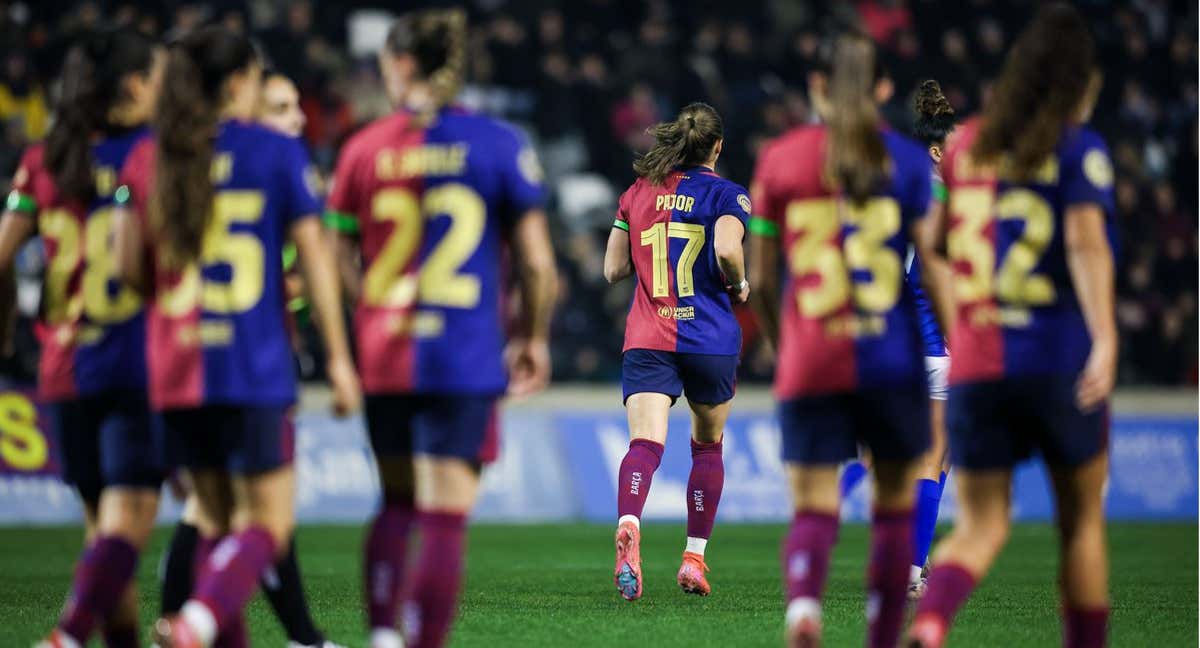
(342, 205)
(622, 219)
(300, 183)
(766, 216)
(1087, 176)
(23, 199)
(735, 201)
(522, 174)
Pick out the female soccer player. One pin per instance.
(219, 195)
(847, 198)
(934, 122)
(93, 368)
(427, 197)
(681, 335)
(278, 109)
(1034, 333)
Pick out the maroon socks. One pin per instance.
(433, 587)
(948, 588)
(806, 552)
(703, 493)
(892, 541)
(383, 570)
(633, 481)
(103, 573)
(1085, 628)
(227, 581)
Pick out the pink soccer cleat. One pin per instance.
(691, 575)
(628, 571)
(174, 632)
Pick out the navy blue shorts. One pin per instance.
(107, 440)
(439, 425)
(239, 439)
(998, 424)
(703, 378)
(893, 423)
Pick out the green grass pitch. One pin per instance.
(552, 586)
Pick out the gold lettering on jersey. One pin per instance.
(855, 326)
(674, 201)
(222, 168)
(106, 181)
(423, 324)
(89, 335)
(1015, 317)
(210, 333)
(427, 160)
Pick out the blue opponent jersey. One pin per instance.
(93, 328)
(680, 303)
(931, 333)
(432, 204)
(217, 331)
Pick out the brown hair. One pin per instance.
(1044, 80)
(189, 107)
(437, 39)
(686, 141)
(92, 84)
(935, 115)
(856, 160)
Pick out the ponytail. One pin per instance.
(189, 109)
(856, 160)
(437, 40)
(686, 141)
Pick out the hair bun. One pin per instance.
(930, 101)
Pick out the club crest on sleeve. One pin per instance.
(743, 201)
(528, 165)
(1098, 169)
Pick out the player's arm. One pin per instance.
(618, 260)
(764, 274)
(928, 236)
(128, 249)
(16, 226)
(1090, 262)
(537, 283)
(343, 232)
(728, 234)
(320, 275)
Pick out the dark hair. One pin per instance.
(437, 39)
(935, 115)
(186, 125)
(92, 84)
(1045, 77)
(686, 141)
(856, 160)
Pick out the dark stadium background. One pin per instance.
(587, 77)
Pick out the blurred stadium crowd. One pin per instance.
(588, 76)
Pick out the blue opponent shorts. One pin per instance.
(997, 424)
(240, 439)
(107, 440)
(439, 425)
(703, 378)
(893, 423)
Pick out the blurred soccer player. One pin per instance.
(426, 198)
(847, 199)
(934, 123)
(1034, 333)
(279, 109)
(681, 336)
(217, 196)
(93, 366)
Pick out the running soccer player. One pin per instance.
(217, 196)
(279, 109)
(679, 228)
(846, 198)
(1034, 333)
(427, 198)
(934, 123)
(93, 332)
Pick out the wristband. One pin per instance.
(739, 287)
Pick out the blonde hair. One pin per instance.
(856, 160)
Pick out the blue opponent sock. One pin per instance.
(929, 497)
(852, 474)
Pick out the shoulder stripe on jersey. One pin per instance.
(620, 224)
(341, 222)
(20, 202)
(763, 227)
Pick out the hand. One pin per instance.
(528, 362)
(739, 296)
(347, 393)
(1096, 381)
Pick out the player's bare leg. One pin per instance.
(446, 488)
(1083, 563)
(705, 483)
(807, 549)
(647, 413)
(386, 550)
(964, 556)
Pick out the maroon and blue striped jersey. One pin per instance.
(847, 322)
(92, 329)
(217, 330)
(431, 204)
(680, 303)
(1016, 309)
